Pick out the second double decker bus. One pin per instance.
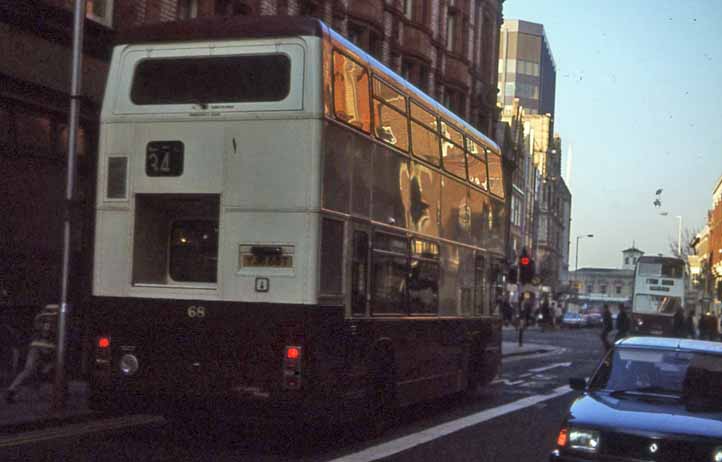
(285, 223)
(659, 285)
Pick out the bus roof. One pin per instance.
(222, 28)
(235, 27)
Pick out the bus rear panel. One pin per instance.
(231, 269)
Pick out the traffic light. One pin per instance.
(526, 269)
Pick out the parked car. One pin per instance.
(651, 398)
(594, 319)
(571, 319)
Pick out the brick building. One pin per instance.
(448, 48)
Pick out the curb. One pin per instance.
(528, 352)
(46, 422)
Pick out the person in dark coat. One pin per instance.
(689, 328)
(623, 323)
(607, 326)
(526, 308)
(678, 327)
(545, 314)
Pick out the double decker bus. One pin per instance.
(659, 285)
(286, 224)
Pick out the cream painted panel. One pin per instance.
(112, 253)
(269, 228)
(202, 157)
(272, 164)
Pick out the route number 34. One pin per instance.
(196, 311)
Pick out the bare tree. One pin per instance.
(688, 234)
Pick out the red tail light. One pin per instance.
(103, 342)
(293, 352)
(292, 367)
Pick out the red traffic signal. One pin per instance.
(524, 261)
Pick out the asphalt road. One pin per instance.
(515, 419)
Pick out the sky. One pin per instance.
(639, 101)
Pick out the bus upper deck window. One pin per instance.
(222, 79)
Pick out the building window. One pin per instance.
(409, 9)
(233, 8)
(365, 38)
(618, 289)
(603, 289)
(589, 289)
(454, 101)
(187, 9)
(415, 72)
(451, 32)
(100, 11)
(626, 260)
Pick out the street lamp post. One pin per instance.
(576, 260)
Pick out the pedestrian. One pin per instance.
(508, 311)
(527, 306)
(41, 352)
(709, 326)
(607, 326)
(678, 327)
(544, 313)
(623, 323)
(689, 324)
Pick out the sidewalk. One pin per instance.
(32, 408)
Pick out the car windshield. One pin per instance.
(693, 375)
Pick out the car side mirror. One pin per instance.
(577, 384)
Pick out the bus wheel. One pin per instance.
(383, 404)
(473, 373)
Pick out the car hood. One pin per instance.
(601, 411)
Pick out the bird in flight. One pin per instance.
(658, 201)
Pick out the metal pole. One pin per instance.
(78, 23)
(679, 236)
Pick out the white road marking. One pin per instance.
(551, 366)
(407, 442)
(77, 429)
(506, 382)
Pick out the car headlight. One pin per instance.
(584, 440)
(717, 454)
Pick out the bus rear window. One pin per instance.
(194, 251)
(203, 80)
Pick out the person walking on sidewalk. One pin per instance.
(607, 326)
(42, 349)
(623, 323)
(527, 305)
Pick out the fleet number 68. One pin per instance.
(196, 311)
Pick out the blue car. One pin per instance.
(650, 399)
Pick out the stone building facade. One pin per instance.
(614, 286)
(449, 48)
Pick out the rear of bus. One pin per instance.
(207, 214)
(659, 284)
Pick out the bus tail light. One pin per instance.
(103, 358)
(102, 350)
(292, 358)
